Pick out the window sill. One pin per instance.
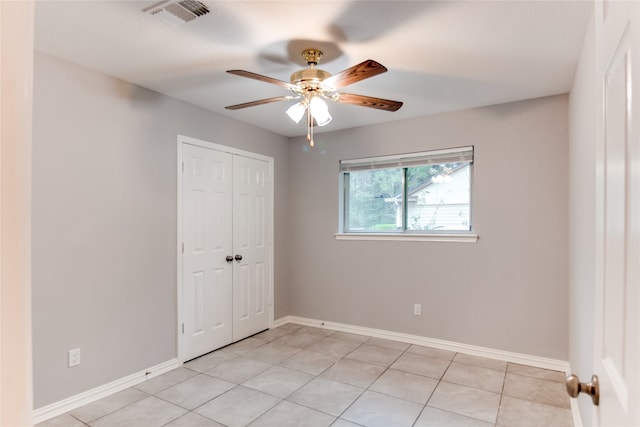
(453, 237)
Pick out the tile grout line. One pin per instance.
(236, 385)
(386, 368)
(372, 382)
(504, 382)
(354, 400)
(278, 364)
(115, 410)
(434, 389)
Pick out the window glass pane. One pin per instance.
(373, 200)
(438, 197)
(419, 193)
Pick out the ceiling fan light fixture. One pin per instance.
(320, 111)
(296, 111)
(324, 120)
(318, 106)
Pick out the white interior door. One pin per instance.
(206, 233)
(617, 353)
(251, 242)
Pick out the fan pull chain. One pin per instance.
(310, 128)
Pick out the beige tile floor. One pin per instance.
(301, 376)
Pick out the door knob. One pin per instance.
(229, 258)
(238, 257)
(575, 387)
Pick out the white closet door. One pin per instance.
(251, 237)
(206, 274)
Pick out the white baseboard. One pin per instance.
(58, 408)
(507, 356)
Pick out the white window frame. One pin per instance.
(448, 155)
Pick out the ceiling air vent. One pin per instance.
(178, 12)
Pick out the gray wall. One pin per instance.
(104, 223)
(507, 291)
(582, 181)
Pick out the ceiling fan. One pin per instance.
(312, 85)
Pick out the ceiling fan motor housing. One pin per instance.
(309, 77)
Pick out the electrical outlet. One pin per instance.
(417, 309)
(74, 357)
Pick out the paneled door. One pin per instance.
(250, 236)
(207, 237)
(617, 320)
(226, 261)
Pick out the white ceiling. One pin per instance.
(441, 55)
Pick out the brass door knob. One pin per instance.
(575, 387)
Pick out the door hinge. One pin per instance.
(182, 167)
(182, 247)
(183, 328)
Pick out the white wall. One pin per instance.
(104, 222)
(16, 71)
(582, 181)
(507, 291)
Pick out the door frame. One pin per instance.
(181, 140)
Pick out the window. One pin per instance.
(427, 193)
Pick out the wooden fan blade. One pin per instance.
(363, 70)
(369, 101)
(259, 102)
(260, 77)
